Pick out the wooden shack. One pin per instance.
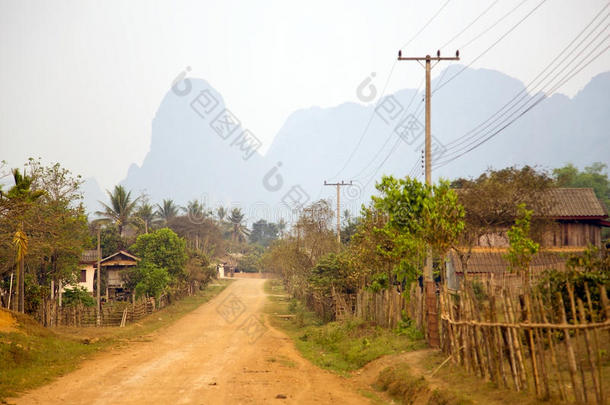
(113, 269)
(577, 219)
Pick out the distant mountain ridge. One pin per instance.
(195, 154)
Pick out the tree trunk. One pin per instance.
(21, 287)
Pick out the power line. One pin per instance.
(425, 25)
(468, 139)
(366, 128)
(469, 25)
(492, 26)
(390, 135)
(523, 93)
(418, 112)
(571, 74)
(491, 46)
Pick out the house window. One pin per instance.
(83, 276)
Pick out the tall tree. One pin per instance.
(196, 211)
(167, 210)
(593, 176)
(491, 200)
(145, 216)
(49, 213)
(20, 240)
(121, 209)
(421, 214)
(60, 233)
(349, 227)
(221, 213)
(164, 249)
(239, 232)
(21, 199)
(263, 232)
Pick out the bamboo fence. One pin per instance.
(537, 341)
(112, 313)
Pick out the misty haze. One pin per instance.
(227, 202)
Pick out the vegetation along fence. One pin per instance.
(554, 342)
(385, 308)
(112, 314)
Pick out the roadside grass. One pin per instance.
(346, 346)
(457, 382)
(342, 346)
(33, 355)
(401, 384)
(411, 381)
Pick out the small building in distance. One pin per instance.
(113, 268)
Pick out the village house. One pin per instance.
(87, 266)
(577, 218)
(113, 268)
(86, 271)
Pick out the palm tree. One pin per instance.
(167, 211)
(196, 210)
(21, 190)
(221, 212)
(121, 209)
(145, 215)
(21, 193)
(239, 232)
(20, 241)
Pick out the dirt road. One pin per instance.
(220, 353)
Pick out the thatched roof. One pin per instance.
(491, 260)
(575, 202)
(566, 203)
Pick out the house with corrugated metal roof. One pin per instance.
(577, 219)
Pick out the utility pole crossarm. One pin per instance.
(338, 185)
(436, 58)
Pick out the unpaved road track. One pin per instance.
(206, 357)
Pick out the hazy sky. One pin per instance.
(82, 80)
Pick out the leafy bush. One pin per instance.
(152, 280)
(588, 270)
(163, 248)
(379, 281)
(407, 327)
(77, 295)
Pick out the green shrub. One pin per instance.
(407, 327)
(77, 295)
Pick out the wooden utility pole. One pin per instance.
(99, 262)
(338, 185)
(429, 287)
